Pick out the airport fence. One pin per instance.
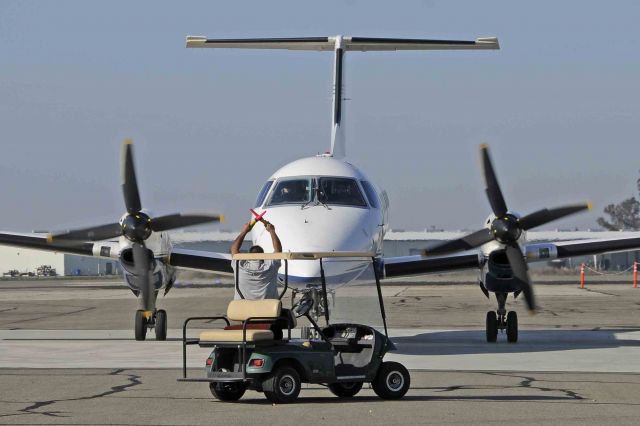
(634, 277)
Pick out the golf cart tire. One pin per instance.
(282, 386)
(141, 325)
(161, 325)
(392, 381)
(227, 391)
(345, 389)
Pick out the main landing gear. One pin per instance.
(156, 320)
(501, 320)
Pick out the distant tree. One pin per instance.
(624, 216)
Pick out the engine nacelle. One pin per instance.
(498, 275)
(162, 275)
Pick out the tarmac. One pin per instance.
(67, 356)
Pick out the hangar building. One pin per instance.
(28, 260)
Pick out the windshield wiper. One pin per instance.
(318, 201)
(302, 207)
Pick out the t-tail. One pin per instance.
(340, 45)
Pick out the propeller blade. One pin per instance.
(173, 221)
(467, 242)
(129, 182)
(142, 264)
(519, 268)
(94, 233)
(494, 194)
(548, 215)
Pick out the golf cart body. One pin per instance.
(259, 353)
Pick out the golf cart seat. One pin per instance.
(268, 310)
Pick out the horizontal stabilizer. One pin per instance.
(362, 44)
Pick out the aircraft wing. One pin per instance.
(564, 249)
(39, 242)
(201, 260)
(419, 265)
(179, 258)
(543, 251)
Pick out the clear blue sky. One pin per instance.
(559, 105)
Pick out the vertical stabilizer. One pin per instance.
(338, 140)
(340, 45)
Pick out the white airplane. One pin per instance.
(324, 203)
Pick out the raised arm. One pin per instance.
(277, 245)
(237, 243)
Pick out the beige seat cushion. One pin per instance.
(240, 310)
(235, 335)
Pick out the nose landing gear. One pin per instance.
(157, 320)
(501, 320)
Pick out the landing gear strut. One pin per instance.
(157, 321)
(501, 320)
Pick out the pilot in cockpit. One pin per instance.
(293, 191)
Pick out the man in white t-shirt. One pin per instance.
(257, 279)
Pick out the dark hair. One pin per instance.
(256, 249)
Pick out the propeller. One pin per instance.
(136, 226)
(506, 228)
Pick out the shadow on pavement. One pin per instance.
(473, 341)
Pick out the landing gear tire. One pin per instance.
(282, 386)
(492, 327)
(161, 325)
(345, 389)
(392, 381)
(512, 327)
(141, 325)
(227, 391)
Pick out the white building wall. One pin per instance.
(27, 260)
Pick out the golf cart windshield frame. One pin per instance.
(319, 256)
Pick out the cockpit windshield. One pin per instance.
(320, 190)
(291, 191)
(341, 191)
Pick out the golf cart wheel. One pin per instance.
(392, 381)
(492, 327)
(345, 389)
(161, 325)
(282, 386)
(512, 327)
(227, 391)
(141, 325)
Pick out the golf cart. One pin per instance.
(259, 353)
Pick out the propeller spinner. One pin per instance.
(506, 228)
(136, 226)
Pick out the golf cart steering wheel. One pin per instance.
(302, 307)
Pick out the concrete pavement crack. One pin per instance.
(132, 380)
(527, 382)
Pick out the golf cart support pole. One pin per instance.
(324, 293)
(384, 315)
(237, 279)
(193, 341)
(286, 278)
